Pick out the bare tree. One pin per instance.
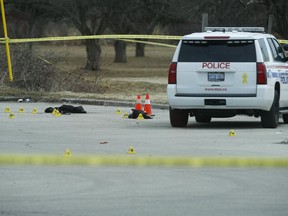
(245, 13)
(93, 17)
(89, 18)
(119, 23)
(277, 8)
(135, 17)
(25, 19)
(144, 17)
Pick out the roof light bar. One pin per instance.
(236, 29)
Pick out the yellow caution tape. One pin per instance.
(150, 43)
(87, 37)
(236, 162)
(283, 41)
(112, 36)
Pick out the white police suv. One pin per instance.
(227, 71)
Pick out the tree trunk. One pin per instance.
(93, 50)
(120, 51)
(140, 50)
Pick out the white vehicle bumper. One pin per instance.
(262, 101)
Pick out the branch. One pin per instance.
(242, 3)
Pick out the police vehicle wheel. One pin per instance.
(178, 118)
(203, 119)
(270, 119)
(285, 118)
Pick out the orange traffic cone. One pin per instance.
(138, 105)
(147, 105)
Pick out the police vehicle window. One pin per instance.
(264, 50)
(217, 51)
(279, 49)
(272, 48)
(275, 50)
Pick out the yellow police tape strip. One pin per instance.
(112, 36)
(148, 42)
(133, 160)
(87, 37)
(283, 41)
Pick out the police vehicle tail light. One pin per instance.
(172, 73)
(261, 74)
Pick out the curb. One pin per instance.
(86, 101)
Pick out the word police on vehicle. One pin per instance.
(216, 65)
(228, 71)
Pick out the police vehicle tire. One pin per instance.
(202, 118)
(285, 118)
(270, 119)
(178, 118)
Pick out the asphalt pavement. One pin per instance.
(114, 190)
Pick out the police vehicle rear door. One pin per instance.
(217, 66)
